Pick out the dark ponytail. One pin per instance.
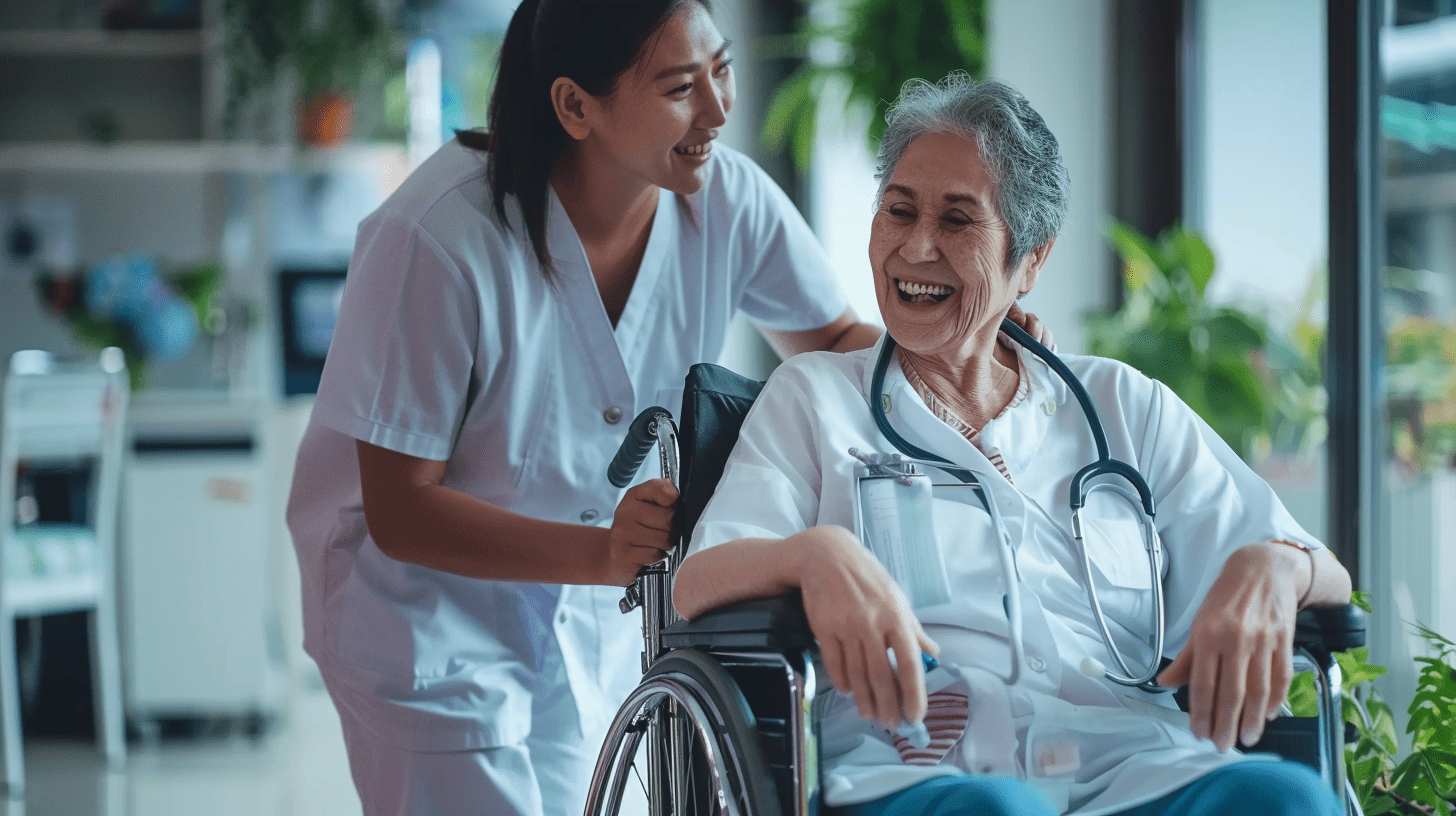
(592, 42)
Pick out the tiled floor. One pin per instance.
(297, 768)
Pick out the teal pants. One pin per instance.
(1283, 788)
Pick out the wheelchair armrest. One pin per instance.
(774, 624)
(1330, 628)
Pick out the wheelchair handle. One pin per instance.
(641, 435)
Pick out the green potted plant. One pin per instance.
(1423, 781)
(880, 44)
(1209, 354)
(331, 48)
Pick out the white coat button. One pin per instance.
(561, 617)
(1036, 663)
(612, 415)
(1049, 407)
(588, 516)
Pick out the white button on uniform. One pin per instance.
(612, 415)
(588, 516)
(1036, 663)
(1049, 407)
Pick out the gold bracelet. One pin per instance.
(1312, 569)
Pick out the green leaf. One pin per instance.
(793, 113)
(1195, 256)
(1139, 258)
(1233, 329)
(966, 32)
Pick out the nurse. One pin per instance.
(508, 310)
(973, 192)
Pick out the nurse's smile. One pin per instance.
(699, 151)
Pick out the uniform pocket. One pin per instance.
(344, 540)
(1113, 536)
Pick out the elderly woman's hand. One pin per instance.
(859, 614)
(1237, 663)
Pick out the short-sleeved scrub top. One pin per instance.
(451, 345)
(1092, 746)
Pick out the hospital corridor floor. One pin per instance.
(296, 767)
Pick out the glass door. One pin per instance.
(1415, 391)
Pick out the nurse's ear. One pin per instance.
(574, 107)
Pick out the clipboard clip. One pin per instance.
(886, 464)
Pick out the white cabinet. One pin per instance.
(200, 627)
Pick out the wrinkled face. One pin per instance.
(660, 123)
(938, 251)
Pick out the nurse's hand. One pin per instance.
(1237, 663)
(1033, 326)
(641, 530)
(858, 613)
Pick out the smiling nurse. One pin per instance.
(508, 308)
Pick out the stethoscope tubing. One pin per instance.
(1105, 465)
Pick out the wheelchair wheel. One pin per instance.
(684, 744)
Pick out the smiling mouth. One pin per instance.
(694, 150)
(922, 292)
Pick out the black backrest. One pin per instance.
(715, 401)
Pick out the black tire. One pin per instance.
(699, 693)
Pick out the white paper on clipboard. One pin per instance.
(897, 525)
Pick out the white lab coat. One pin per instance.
(451, 345)
(1092, 746)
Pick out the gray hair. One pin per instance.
(1020, 152)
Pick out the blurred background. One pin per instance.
(1263, 216)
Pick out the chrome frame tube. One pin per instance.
(1328, 686)
(801, 682)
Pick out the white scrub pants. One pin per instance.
(547, 774)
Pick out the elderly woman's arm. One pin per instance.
(854, 607)
(1237, 662)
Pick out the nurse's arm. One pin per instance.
(855, 609)
(414, 518)
(845, 333)
(848, 333)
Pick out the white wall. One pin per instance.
(1056, 53)
(1264, 200)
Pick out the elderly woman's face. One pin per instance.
(938, 250)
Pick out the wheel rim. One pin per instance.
(668, 693)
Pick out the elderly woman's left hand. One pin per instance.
(1237, 663)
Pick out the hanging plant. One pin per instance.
(880, 45)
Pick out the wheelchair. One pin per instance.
(721, 721)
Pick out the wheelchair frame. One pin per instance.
(713, 749)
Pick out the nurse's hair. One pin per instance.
(591, 42)
(1018, 149)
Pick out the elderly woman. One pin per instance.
(1021, 717)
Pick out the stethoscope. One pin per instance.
(1139, 497)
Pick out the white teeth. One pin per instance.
(923, 289)
(694, 150)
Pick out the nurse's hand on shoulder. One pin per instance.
(1237, 664)
(641, 530)
(1033, 326)
(859, 614)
